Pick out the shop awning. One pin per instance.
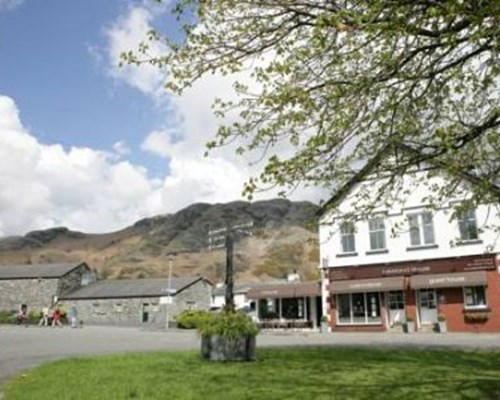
(367, 285)
(455, 279)
(284, 291)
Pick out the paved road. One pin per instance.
(22, 348)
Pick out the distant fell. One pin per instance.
(282, 239)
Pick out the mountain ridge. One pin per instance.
(282, 240)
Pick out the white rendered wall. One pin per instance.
(240, 301)
(446, 231)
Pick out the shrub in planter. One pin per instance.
(409, 326)
(476, 316)
(441, 325)
(228, 336)
(191, 319)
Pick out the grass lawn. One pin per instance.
(305, 373)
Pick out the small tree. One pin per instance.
(335, 82)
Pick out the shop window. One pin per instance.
(396, 300)
(358, 308)
(467, 225)
(421, 229)
(344, 308)
(427, 298)
(377, 233)
(347, 237)
(475, 297)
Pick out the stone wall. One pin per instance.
(196, 297)
(131, 311)
(36, 293)
(71, 281)
(119, 312)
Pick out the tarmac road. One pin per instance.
(23, 348)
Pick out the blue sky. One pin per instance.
(50, 64)
(93, 147)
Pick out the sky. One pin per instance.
(94, 147)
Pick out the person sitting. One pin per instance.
(21, 317)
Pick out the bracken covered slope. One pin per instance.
(282, 239)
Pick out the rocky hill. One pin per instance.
(282, 238)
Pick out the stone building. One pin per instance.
(39, 285)
(138, 302)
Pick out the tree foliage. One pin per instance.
(336, 82)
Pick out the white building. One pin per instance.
(409, 258)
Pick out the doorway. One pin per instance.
(396, 306)
(427, 306)
(145, 313)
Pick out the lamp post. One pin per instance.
(169, 289)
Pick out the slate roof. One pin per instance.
(124, 288)
(30, 271)
(238, 288)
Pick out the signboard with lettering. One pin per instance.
(409, 268)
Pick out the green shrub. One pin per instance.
(191, 319)
(7, 317)
(228, 324)
(34, 317)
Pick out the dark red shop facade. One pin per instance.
(463, 291)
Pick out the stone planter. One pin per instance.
(324, 327)
(222, 348)
(441, 327)
(409, 327)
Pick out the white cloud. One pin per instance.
(125, 34)
(45, 185)
(121, 148)
(188, 125)
(10, 4)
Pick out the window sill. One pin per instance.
(347, 254)
(479, 309)
(424, 247)
(359, 323)
(468, 242)
(381, 251)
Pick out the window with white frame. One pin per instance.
(377, 233)
(358, 308)
(467, 225)
(347, 237)
(421, 229)
(475, 297)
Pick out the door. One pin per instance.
(427, 306)
(145, 313)
(396, 306)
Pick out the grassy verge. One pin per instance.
(309, 373)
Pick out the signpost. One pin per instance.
(224, 237)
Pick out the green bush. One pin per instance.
(191, 319)
(7, 317)
(34, 317)
(228, 324)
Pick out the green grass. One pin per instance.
(306, 373)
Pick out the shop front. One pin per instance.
(361, 303)
(464, 292)
(288, 305)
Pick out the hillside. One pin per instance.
(282, 239)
